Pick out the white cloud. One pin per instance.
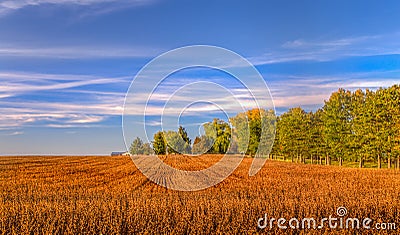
(77, 52)
(331, 49)
(93, 108)
(17, 4)
(293, 101)
(86, 119)
(17, 83)
(22, 117)
(292, 91)
(13, 133)
(341, 42)
(152, 123)
(107, 5)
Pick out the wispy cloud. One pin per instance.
(330, 49)
(13, 133)
(90, 108)
(21, 116)
(341, 42)
(300, 90)
(91, 6)
(17, 83)
(77, 52)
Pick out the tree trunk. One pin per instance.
(328, 160)
(361, 162)
(312, 159)
(320, 160)
(389, 162)
(292, 158)
(340, 161)
(379, 161)
(398, 162)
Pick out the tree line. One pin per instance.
(354, 126)
(359, 126)
(242, 135)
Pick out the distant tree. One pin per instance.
(175, 143)
(384, 124)
(293, 131)
(202, 144)
(254, 118)
(394, 110)
(360, 147)
(196, 144)
(268, 126)
(278, 145)
(241, 131)
(337, 120)
(316, 140)
(234, 148)
(147, 149)
(220, 132)
(183, 134)
(159, 143)
(136, 147)
(254, 131)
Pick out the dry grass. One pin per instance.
(108, 195)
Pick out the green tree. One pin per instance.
(136, 147)
(293, 127)
(175, 143)
(254, 131)
(337, 120)
(202, 144)
(376, 124)
(360, 145)
(268, 127)
(385, 128)
(159, 143)
(147, 149)
(315, 138)
(183, 134)
(220, 132)
(394, 110)
(241, 131)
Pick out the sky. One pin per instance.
(67, 65)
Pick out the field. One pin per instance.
(108, 195)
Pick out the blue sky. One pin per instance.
(66, 65)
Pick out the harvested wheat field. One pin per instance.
(108, 195)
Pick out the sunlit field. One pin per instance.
(108, 195)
